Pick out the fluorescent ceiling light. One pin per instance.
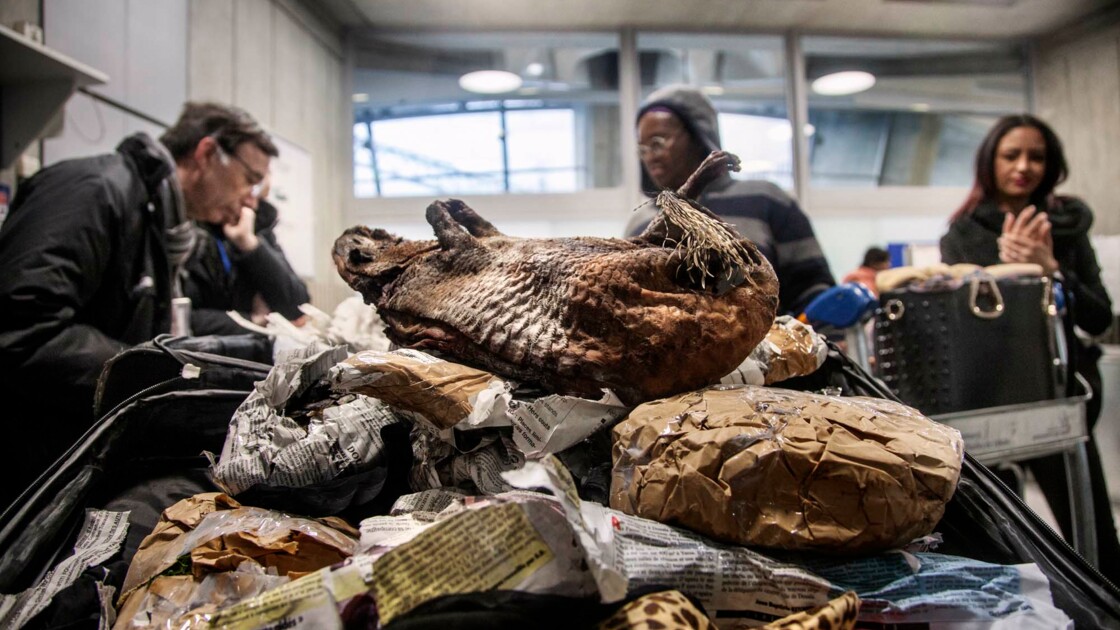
(490, 81)
(713, 90)
(920, 107)
(361, 98)
(843, 83)
(784, 133)
(780, 133)
(758, 166)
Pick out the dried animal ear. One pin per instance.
(449, 232)
(468, 218)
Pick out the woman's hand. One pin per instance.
(1026, 238)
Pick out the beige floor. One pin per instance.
(1034, 499)
(1033, 496)
(1107, 435)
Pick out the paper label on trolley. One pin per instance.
(1020, 430)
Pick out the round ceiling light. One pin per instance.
(758, 166)
(490, 81)
(843, 83)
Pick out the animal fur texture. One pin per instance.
(669, 311)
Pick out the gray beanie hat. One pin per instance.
(694, 109)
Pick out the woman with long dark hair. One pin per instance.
(1012, 215)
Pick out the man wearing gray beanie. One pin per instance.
(677, 128)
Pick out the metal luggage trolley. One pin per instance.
(996, 411)
(1011, 433)
(993, 435)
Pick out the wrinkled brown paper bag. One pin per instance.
(785, 469)
(293, 546)
(792, 349)
(442, 391)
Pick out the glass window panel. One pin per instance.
(763, 144)
(414, 156)
(745, 76)
(558, 132)
(922, 120)
(542, 151)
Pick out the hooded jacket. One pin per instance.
(220, 278)
(759, 210)
(973, 239)
(87, 273)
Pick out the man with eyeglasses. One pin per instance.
(91, 252)
(241, 267)
(677, 128)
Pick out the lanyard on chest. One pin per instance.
(223, 254)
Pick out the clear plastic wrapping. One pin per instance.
(786, 469)
(211, 535)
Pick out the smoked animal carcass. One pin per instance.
(669, 311)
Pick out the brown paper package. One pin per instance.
(784, 469)
(441, 391)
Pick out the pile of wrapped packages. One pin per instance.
(744, 504)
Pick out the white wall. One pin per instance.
(849, 220)
(266, 56)
(141, 46)
(1078, 85)
(11, 12)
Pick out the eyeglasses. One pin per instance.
(254, 177)
(657, 145)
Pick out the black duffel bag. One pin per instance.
(160, 405)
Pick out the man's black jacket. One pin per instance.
(215, 289)
(85, 274)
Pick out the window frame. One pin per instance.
(593, 211)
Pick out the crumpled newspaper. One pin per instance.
(440, 543)
(453, 399)
(442, 392)
(267, 446)
(354, 324)
(208, 552)
(475, 470)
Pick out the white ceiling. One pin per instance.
(997, 19)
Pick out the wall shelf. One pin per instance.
(35, 83)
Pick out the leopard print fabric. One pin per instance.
(837, 614)
(667, 610)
